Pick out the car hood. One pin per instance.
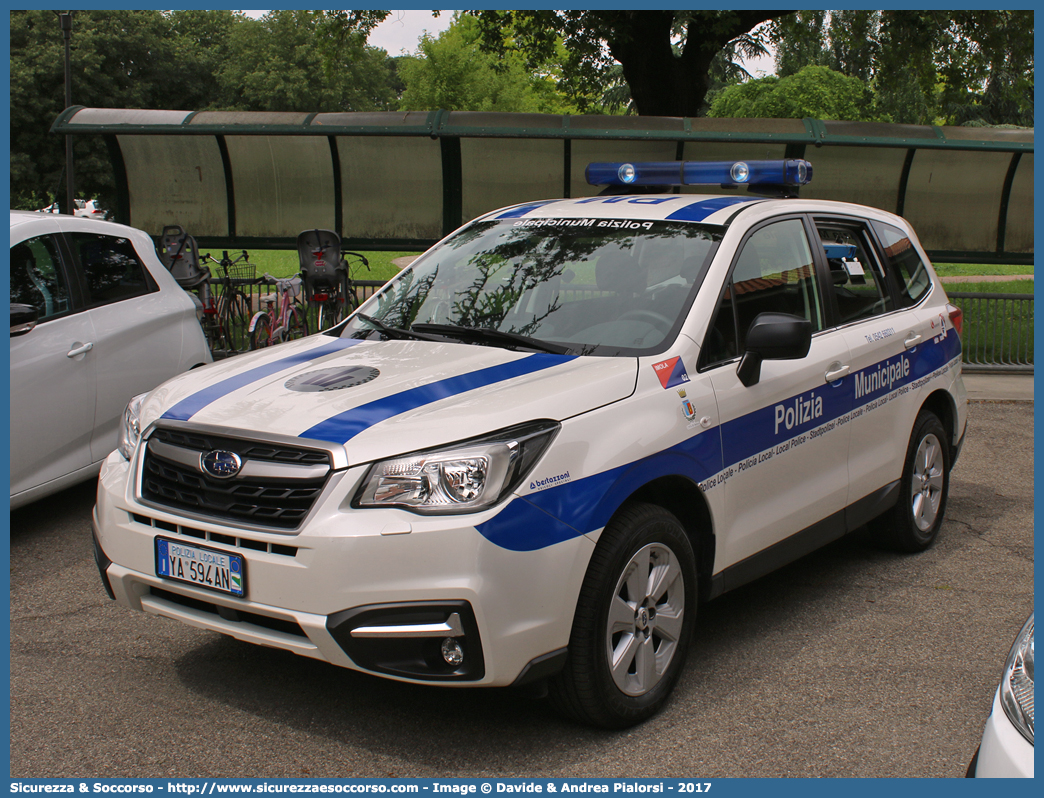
(379, 398)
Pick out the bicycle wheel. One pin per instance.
(261, 335)
(235, 320)
(351, 302)
(333, 311)
(326, 314)
(296, 323)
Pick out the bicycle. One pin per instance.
(227, 319)
(329, 288)
(269, 327)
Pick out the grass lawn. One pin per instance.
(994, 332)
(1008, 287)
(283, 263)
(998, 331)
(945, 270)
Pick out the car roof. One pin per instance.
(705, 208)
(54, 222)
(702, 208)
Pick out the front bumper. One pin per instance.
(1004, 752)
(346, 568)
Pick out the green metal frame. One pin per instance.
(438, 125)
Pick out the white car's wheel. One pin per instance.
(913, 524)
(633, 621)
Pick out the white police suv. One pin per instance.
(534, 452)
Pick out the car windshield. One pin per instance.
(583, 286)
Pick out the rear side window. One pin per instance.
(910, 273)
(37, 278)
(859, 287)
(111, 268)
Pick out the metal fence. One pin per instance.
(998, 331)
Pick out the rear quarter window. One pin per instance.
(910, 273)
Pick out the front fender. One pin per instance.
(586, 505)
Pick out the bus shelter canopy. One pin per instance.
(401, 181)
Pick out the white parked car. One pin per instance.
(91, 210)
(536, 450)
(79, 206)
(95, 319)
(1006, 750)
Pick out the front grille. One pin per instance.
(216, 537)
(248, 450)
(280, 499)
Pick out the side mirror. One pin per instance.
(773, 336)
(23, 319)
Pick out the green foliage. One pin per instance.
(120, 59)
(924, 67)
(815, 91)
(453, 72)
(666, 57)
(187, 60)
(276, 64)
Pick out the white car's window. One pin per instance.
(37, 278)
(111, 268)
(906, 264)
(859, 286)
(585, 286)
(774, 273)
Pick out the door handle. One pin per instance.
(836, 372)
(82, 349)
(912, 339)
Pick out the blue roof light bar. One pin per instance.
(789, 172)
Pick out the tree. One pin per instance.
(664, 80)
(950, 67)
(120, 59)
(815, 91)
(280, 63)
(451, 71)
(186, 60)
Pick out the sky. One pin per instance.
(401, 31)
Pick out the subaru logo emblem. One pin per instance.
(220, 463)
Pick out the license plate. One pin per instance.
(209, 568)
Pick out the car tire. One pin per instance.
(913, 524)
(633, 622)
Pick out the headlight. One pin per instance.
(1017, 685)
(130, 427)
(462, 478)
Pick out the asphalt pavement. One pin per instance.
(851, 662)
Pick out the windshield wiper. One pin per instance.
(397, 332)
(490, 335)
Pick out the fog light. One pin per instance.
(452, 653)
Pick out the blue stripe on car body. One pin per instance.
(576, 508)
(345, 426)
(190, 405)
(698, 211)
(522, 210)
